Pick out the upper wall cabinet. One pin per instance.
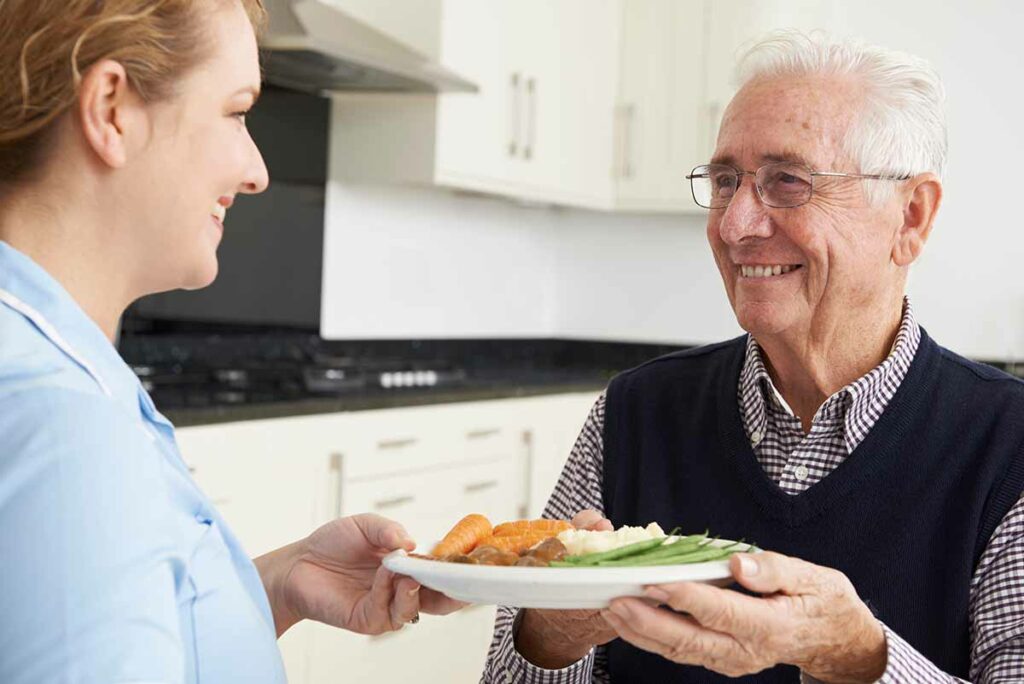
(602, 104)
(591, 103)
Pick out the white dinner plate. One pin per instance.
(566, 588)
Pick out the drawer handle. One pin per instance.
(483, 434)
(393, 503)
(474, 487)
(396, 443)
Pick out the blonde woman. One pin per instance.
(122, 145)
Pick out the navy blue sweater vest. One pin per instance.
(905, 517)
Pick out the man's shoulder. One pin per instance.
(978, 385)
(981, 374)
(695, 360)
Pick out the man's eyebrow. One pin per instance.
(785, 156)
(726, 159)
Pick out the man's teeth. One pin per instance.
(219, 212)
(765, 271)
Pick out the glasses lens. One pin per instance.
(713, 185)
(784, 184)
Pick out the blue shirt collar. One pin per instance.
(36, 295)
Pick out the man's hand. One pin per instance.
(809, 616)
(554, 639)
(334, 576)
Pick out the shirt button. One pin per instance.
(800, 473)
(756, 437)
(508, 677)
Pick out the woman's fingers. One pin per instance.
(436, 603)
(382, 532)
(405, 607)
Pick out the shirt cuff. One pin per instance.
(510, 666)
(906, 664)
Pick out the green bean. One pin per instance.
(671, 549)
(701, 556)
(620, 552)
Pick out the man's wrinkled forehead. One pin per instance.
(797, 119)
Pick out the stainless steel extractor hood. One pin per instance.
(314, 46)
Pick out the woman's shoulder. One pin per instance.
(29, 361)
(61, 431)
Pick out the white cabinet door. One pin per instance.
(557, 424)
(266, 478)
(571, 51)
(479, 134)
(659, 113)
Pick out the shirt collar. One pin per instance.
(29, 290)
(858, 405)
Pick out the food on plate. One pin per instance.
(555, 543)
(579, 542)
(465, 536)
(520, 527)
(518, 543)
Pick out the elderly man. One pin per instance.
(883, 472)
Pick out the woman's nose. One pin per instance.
(257, 178)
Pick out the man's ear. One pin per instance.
(107, 105)
(921, 199)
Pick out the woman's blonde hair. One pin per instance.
(46, 46)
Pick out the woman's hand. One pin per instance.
(334, 576)
(554, 639)
(807, 615)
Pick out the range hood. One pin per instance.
(314, 46)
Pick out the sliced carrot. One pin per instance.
(465, 536)
(517, 527)
(517, 543)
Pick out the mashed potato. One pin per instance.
(578, 542)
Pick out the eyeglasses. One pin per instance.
(781, 185)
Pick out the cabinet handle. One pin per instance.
(531, 119)
(483, 434)
(336, 482)
(393, 503)
(513, 114)
(625, 117)
(475, 487)
(713, 114)
(396, 443)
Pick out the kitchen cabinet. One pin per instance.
(590, 103)
(599, 104)
(276, 480)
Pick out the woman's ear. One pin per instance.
(107, 107)
(920, 201)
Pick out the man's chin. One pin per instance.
(763, 318)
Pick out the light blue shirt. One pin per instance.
(114, 567)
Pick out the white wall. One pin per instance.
(968, 288)
(404, 262)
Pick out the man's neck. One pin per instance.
(808, 371)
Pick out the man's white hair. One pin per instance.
(901, 129)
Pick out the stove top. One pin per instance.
(189, 371)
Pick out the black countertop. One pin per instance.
(186, 417)
(482, 370)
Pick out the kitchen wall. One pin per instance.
(421, 262)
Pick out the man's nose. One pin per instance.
(746, 216)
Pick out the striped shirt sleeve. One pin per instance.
(578, 488)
